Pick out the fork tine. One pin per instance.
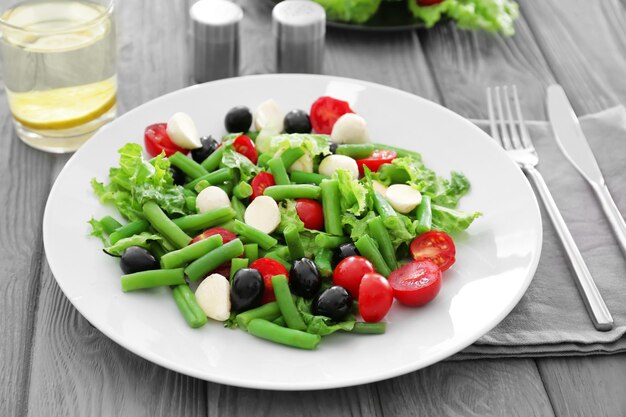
(515, 139)
(506, 139)
(526, 142)
(492, 117)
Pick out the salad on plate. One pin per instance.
(290, 226)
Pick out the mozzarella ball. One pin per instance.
(268, 116)
(350, 128)
(183, 132)
(213, 296)
(211, 198)
(332, 163)
(263, 214)
(403, 198)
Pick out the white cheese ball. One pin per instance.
(183, 132)
(350, 128)
(211, 198)
(332, 163)
(403, 198)
(263, 214)
(268, 116)
(379, 188)
(213, 296)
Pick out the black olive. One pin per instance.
(177, 175)
(304, 278)
(335, 302)
(333, 148)
(343, 251)
(238, 119)
(137, 259)
(246, 291)
(297, 121)
(209, 145)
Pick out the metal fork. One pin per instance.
(514, 138)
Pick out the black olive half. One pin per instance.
(246, 291)
(335, 302)
(209, 145)
(343, 251)
(137, 259)
(297, 121)
(238, 119)
(304, 278)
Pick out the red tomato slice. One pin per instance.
(311, 213)
(376, 159)
(325, 111)
(245, 146)
(375, 297)
(268, 269)
(428, 2)
(227, 236)
(260, 183)
(157, 140)
(416, 283)
(434, 246)
(349, 272)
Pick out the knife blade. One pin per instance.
(573, 143)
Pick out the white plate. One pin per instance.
(496, 259)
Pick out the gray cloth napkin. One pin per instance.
(551, 319)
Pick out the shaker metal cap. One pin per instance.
(298, 20)
(215, 21)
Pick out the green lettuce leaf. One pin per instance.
(357, 226)
(321, 325)
(289, 216)
(357, 11)
(97, 230)
(451, 220)
(232, 159)
(452, 191)
(142, 239)
(310, 143)
(353, 193)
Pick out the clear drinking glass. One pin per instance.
(59, 69)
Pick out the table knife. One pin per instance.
(572, 142)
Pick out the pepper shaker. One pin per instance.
(299, 27)
(215, 34)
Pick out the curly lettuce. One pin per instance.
(357, 11)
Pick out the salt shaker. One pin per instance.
(299, 27)
(215, 37)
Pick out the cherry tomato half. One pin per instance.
(269, 268)
(325, 111)
(416, 283)
(227, 236)
(157, 140)
(375, 297)
(245, 146)
(260, 182)
(428, 2)
(311, 213)
(376, 159)
(434, 246)
(349, 273)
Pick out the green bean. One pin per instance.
(167, 245)
(290, 156)
(283, 335)
(201, 185)
(389, 215)
(269, 311)
(191, 168)
(381, 235)
(294, 243)
(264, 158)
(213, 178)
(284, 192)
(208, 262)
(367, 248)
(236, 264)
(152, 278)
(327, 241)
(159, 220)
(227, 187)
(369, 328)
(285, 302)
(301, 177)
(275, 256)
(180, 257)
(109, 224)
(281, 250)
(251, 251)
(190, 204)
(255, 235)
(128, 230)
(188, 306)
(323, 258)
(205, 220)
(401, 152)
(157, 250)
(424, 216)
(277, 168)
(213, 161)
(356, 151)
(238, 208)
(242, 190)
(230, 226)
(331, 206)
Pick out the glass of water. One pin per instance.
(59, 68)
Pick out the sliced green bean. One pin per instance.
(367, 248)
(277, 168)
(424, 216)
(264, 158)
(284, 192)
(301, 177)
(190, 253)
(157, 250)
(190, 204)
(188, 306)
(208, 262)
(251, 251)
(214, 178)
(230, 226)
(159, 220)
(285, 302)
(381, 235)
(401, 152)
(323, 258)
(242, 190)
(387, 212)
(356, 151)
(294, 243)
(152, 278)
(290, 156)
(331, 207)
(283, 335)
(213, 161)
(128, 230)
(227, 187)
(109, 224)
(269, 311)
(275, 256)
(201, 185)
(369, 328)
(205, 220)
(236, 264)
(191, 168)
(327, 241)
(254, 235)
(238, 207)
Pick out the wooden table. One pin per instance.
(54, 363)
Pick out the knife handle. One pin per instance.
(596, 307)
(613, 214)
